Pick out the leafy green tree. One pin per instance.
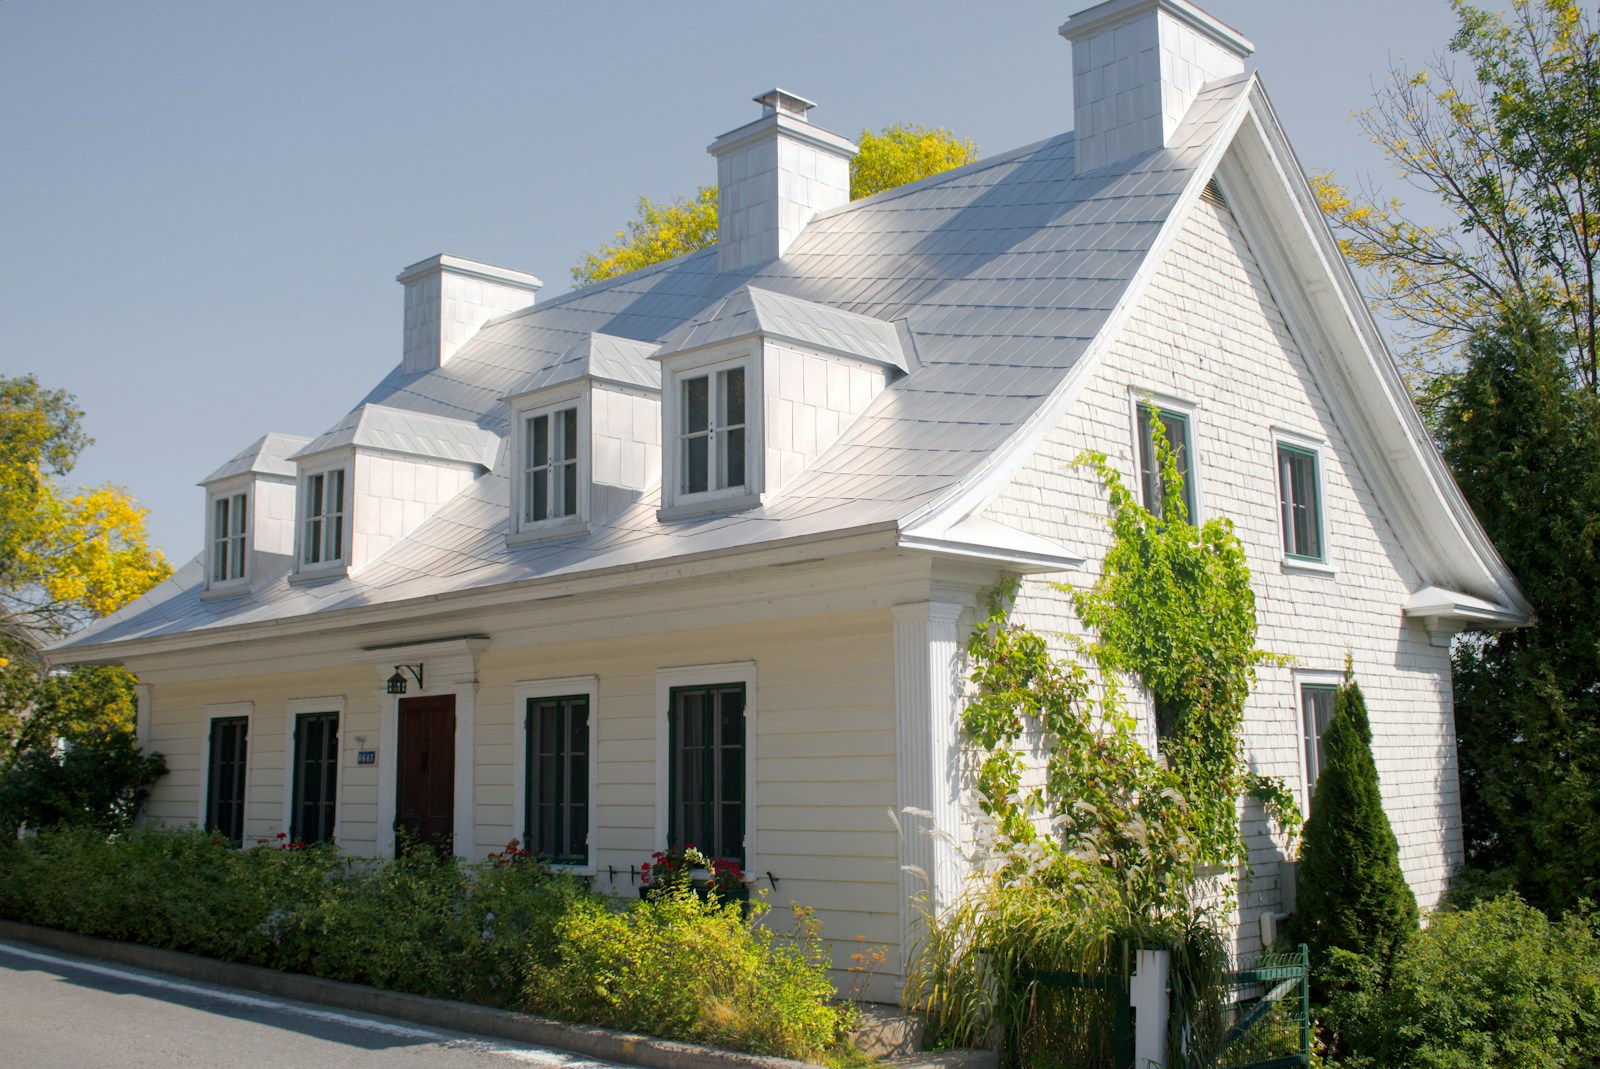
(892, 157)
(1502, 306)
(1353, 898)
(66, 739)
(1522, 434)
(1507, 144)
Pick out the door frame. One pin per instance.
(451, 667)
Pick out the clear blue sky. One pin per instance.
(203, 205)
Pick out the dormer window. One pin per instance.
(713, 435)
(323, 539)
(588, 438)
(756, 389)
(229, 518)
(550, 494)
(550, 465)
(249, 521)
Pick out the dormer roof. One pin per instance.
(395, 430)
(749, 311)
(603, 357)
(267, 455)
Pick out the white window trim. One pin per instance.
(292, 712)
(579, 396)
(324, 568)
(1304, 678)
(230, 490)
(1190, 411)
(709, 675)
(220, 712)
(528, 690)
(675, 503)
(1319, 448)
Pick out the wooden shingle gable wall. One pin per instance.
(1209, 331)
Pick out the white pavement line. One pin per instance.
(533, 1056)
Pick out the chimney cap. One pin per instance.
(1114, 12)
(460, 265)
(781, 100)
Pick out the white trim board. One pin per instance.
(292, 712)
(218, 712)
(561, 687)
(709, 675)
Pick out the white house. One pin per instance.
(691, 554)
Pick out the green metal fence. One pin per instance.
(1085, 1020)
(1268, 1018)
(1073, 1020)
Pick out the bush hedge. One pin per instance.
(502, 932)
(1497, 986)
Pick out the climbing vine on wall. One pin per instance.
(1098, 840)
(1172, 611)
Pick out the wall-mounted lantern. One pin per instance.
(397, 682)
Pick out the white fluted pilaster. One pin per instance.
(927, 727)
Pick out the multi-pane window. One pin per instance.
(324, 535)
(225, 781)
(1175, 426)
(558, 779)
(1300, 503)
(1316, 711)
(227, 537)
(706, 777)
(316, 776)
(550, 465)
(712, 434)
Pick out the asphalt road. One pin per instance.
(58, 1011)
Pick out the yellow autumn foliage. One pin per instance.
(1505, 142)
(659, 232)
(65, 557)
(905, 152)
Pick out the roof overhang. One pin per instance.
(1445, 613)
(870, 538)
(976, 538)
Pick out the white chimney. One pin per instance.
(773, 175)
(448, 299)
(1137, 65)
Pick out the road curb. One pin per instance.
(603, 1043)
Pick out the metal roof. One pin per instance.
(1001, 275)
(598, 356)
(267, 455)
(416, 434)
(748, 311)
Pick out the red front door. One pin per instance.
(425, 784)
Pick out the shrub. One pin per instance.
(1353, 897)
(1498, 986)
(502, 932)
(99, 780)
(690, 969)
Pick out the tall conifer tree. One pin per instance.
(1522, 436)
(1353, 896)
